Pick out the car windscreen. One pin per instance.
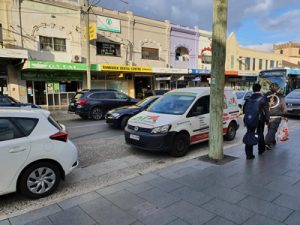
(145, 102)
(294, 94)
(78, 95)
(174, 103)
(240, 95)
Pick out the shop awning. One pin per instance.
(160, 70)
(13, 53)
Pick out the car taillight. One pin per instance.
(81, 102)
(60, 136)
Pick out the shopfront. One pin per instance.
(170, 78)
(239, 80)
(52, 83)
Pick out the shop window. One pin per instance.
(232, 61)
(267, 64)
(150, 53)
(253, 64)
(52, 44)
(1, 35)
(260, 64)
(108, 49)
(272, 64)
(247, 63)
(182, 54)
(206, 59)
(281, 51)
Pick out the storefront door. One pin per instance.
(36, 92)
(142, 85)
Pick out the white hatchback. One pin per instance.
(35, 152)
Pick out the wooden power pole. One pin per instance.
(217, 79)
(87, 38)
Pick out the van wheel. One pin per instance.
(39, 180)
(180, 145)
(97, 113)
(124, 122)
(231, 132)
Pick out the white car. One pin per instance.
(242, 96)
(35, 152)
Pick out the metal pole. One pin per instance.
(217, 79)
(88, 63)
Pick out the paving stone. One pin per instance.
(178, 222)
(293, 219)
(225, 194)
(190, 213)
(4, 222)
(143, 178)
(139, 188)
(261, 220)
(164, 184)
(293, 173)
(173, 174)
(161, 217)
(288, 202)
(219, 221)
(265, 208)
(124, 199)
(114, 188)
(257, 191)
(158, 197)
(71, 202)
(229, 211)
(106, 213)
(189, 195)
(196, 182)
(137, 223)
(35, 215)
(73, 216)
(43, 221)
(143, 210)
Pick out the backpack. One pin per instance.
(251, 110)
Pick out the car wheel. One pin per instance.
(231, 132)
(180, 145)
(39, 180)
(97, 113)
(124, 122)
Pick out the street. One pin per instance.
(105, 159)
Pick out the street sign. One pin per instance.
(93, 31)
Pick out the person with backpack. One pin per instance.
(256, 110)
(278, 109)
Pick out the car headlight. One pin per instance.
(161, 130)
(115, 115)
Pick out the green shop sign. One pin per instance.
(47, 65)
(49, 77)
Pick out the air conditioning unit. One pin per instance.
(76, 58)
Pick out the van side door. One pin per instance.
(199, 118)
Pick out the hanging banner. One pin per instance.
(108, 24)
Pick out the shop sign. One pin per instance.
(162, 78)
(108, 24)
(246, 73)
(121, 68)
(13, 53)
(231, 73)
(199, 71)
(46, 65)
(51, 77)
(169, 70)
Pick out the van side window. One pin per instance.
(201, 107)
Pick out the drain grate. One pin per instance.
(226, 159)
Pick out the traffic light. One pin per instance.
(92, 31)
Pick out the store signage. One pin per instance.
(48, 65)
(199, 71)
(13, 53)
(121, 68)
(162, 78)
(108, 24)
(231, 73)
(51, 77)
(169, 70)
(246, 73)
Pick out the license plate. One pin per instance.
(134, 137)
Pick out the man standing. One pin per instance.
(256, 112)
(278, 110)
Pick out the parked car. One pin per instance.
(178, 119)
(118, 117)
(242, 97)
(7, 101)
(95, 103)
(293, 102)
(35, 152)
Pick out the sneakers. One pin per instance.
(269, 147)
(250, 157)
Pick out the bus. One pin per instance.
(287, 79)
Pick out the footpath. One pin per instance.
(263, 191)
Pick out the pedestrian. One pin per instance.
(278, 111)
(256, 110)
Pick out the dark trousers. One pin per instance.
(272, 129)
(261, 140)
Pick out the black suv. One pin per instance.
(7, 101)
(95, 103)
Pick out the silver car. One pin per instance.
(293, 102)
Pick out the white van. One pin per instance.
(180, 118)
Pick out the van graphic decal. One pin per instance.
(146, 119)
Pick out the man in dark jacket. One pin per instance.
(278, 110)
(258, 127)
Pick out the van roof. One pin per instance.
(197, 90)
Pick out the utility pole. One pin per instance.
(217, 79)
(87, 37)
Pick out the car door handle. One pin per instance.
(17, 149)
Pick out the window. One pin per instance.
(150, 53)
(253, 65)
(104, 95)
(27, 124)
(8, 130)
(206, 59)
(260, 64)
(276, 64)
(267, 62)
(108, 49)
(5, 101)
(247, 63)
(1, 35)
(298, 50)
(200, 107)
(120, 95)
(182, 54)
(54, 123)
(52, 44)
(232, 61)
(281, 51)
(240, 63)
(272, 64)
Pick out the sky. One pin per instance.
(257, 23)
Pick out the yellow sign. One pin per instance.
(92, 31)
(121, 68)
